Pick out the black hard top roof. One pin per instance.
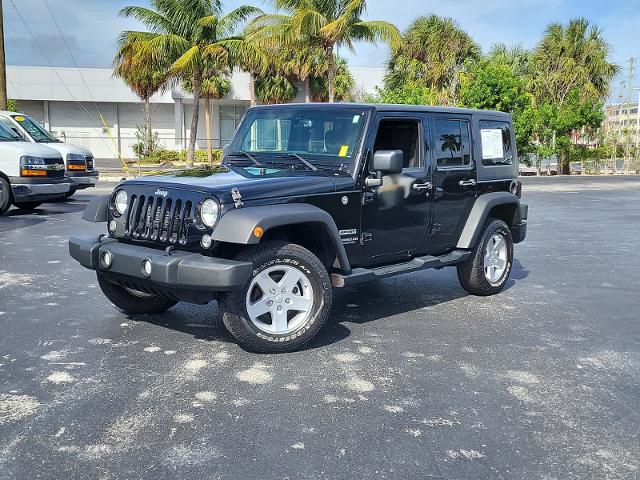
(385, 107)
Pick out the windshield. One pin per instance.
(8, 135)
(298, 137)
(34, 129)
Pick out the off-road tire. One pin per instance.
(27, 205)
(130, 303)
(233, 308)
(471, 272)
(5, 196)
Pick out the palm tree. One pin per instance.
(571, 63)
(215, 85)
(144, 77)
(325, 24)
(516, 57)
(431, 54)
(274, 88)
(186, 34)
(303, 63)
(344, 84)
(571, 57)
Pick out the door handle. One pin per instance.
(467, 183)
(423, 186)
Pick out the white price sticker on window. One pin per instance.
(492, 143)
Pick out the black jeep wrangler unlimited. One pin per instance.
(309, 198)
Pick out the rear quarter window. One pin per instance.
(496, 141)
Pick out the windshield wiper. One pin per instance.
(248, 155)
(302, 159)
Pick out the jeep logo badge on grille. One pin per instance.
(161, 193)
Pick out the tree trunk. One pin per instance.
(147, 121)
(307, 90)
(207, 119)
(331, 73)
(193, 134)
(252, 88)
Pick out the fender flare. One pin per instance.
(237, 226)
(479, 213)
(97, 210)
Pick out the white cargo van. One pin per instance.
(29, 173)
(80, 165)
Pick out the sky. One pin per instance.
(91, 27)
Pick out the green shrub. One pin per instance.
(163, 156)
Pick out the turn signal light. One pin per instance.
(76, 167)
(258, 232)
(27, 172)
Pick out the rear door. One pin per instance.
(454, 177)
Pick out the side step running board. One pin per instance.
(362, 275)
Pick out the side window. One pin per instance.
(497, 148)
(452, 143)
(401, 135)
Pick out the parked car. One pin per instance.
(30, 174)
(314, 197)
(79, 161)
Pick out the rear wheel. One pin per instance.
(284, 303)
(5, 196)
(28, 205)
(133, 301)
(489, 267)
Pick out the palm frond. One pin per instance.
(154, 20)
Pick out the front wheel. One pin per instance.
(5, 196)
(28, 205)
(489, 267)
(133, 301)
(284, 303)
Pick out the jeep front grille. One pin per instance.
(158, 219)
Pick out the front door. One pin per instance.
(454, 178)
(396, 215)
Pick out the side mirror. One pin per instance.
(388, 161)
(385, 162)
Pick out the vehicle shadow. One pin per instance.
(361, 304)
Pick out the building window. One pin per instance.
(230, 117)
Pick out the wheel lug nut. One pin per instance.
(287, 300)
(269, 303)
(279, 308)
(284, 290)
(273, 291)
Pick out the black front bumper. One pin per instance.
(185, 276)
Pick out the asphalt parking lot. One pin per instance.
(411, 379)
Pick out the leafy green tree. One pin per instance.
(492, 85)
(325, 24)
(406, 95)
(516, 57)
(184, 34)
(432, 54)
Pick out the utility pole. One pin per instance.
(3, 66)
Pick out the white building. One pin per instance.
(92, 108)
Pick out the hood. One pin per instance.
(28, 148)
(220, 181)
(66, 148)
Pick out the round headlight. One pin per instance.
(120, 201)
(209, 212)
